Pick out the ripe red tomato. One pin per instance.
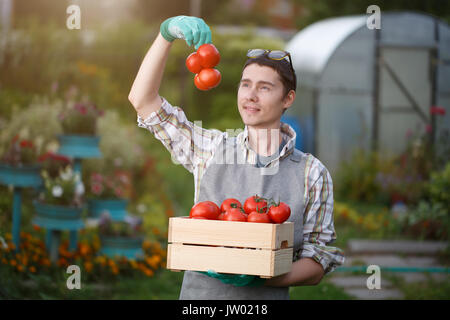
(209, 55)
(206, 210)
(210, 77)
(193, 63)
(255, 203)
(259, 217)
(199, 84)
(230, 203)
(234, 214)
(279, 213)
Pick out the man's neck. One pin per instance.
(264, 142)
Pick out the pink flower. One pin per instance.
(81, 108)
(118, 192)
(26, 144)
(437, 110)
(97, 177)
(428, 128)
(97, 188)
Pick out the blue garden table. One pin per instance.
(19, 177)
(77, 147)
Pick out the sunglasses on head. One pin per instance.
(271, 54)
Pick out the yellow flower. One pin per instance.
(32, 269)
(13, 262)
(114, 269)
(111, 263)
(88, 266)
(84, 249)
(148, 272)
(101, 260)
(153, 261)
(88, 69)
(146, 245)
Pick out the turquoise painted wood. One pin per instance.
(19, 177)
(17, 214)
(131, 248)
(23, 176)
(78, 146)
(57, 218)
(117, 208)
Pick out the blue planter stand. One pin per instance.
(79, 147)
(117, 208)
(19, 178)
(131, 248)
(57, 218)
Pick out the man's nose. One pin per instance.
(252, 94)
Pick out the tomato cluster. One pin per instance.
(255, 209)
(202, 63)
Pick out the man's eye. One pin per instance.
(265, 88)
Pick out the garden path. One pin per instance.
(410, 260)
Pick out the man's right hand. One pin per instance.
(192, 29)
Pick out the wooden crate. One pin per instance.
(261, 249)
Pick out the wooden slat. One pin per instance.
(265, 263)
(230, 233)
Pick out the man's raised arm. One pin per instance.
(144, 94)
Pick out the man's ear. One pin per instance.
(289, 99)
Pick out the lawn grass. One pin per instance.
(323, 291)
(431, 289)
(165, 285)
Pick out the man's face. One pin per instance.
(261, 99)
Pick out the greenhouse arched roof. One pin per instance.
(313, 46)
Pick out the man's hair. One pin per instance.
(282, 67)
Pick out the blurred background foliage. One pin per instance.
(44, 65)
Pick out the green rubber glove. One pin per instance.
(238, 280)
(192, 29)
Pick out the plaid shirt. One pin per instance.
(193, 146)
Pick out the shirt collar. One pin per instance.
(287, 132)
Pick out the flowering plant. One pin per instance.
(107, 186)
(53, 163)
(65, 189)
(130, 227)
(20, 153)
(80, 118)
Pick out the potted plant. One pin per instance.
(108, 192)
(79, 124)
(60, 203)
(18, 165)
(120, 238)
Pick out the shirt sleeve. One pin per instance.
(318, 220)
(188, 143)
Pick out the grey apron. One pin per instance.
(228, 176)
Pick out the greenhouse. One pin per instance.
(370, 88)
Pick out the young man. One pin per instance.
(263, 161)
